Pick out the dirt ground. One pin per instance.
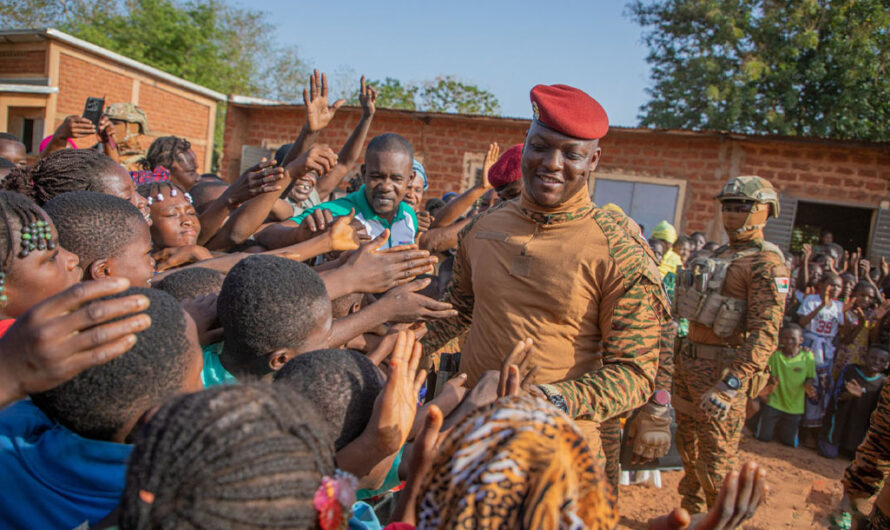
(804, 489)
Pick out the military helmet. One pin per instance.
(751, 188)
(128, 112)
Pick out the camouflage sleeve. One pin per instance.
(766, 305)
(665, 374)
(864, 475)
(631, 320)
(460, 296)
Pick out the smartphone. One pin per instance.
(93, 110)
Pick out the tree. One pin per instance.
(796, 67)
(391, 94)
(447, 94)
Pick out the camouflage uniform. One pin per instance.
(613, 371)
(867, 471)
(129, 150)
(708, 446)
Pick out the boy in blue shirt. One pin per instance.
(64, 452)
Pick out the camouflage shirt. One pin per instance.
(584, 287)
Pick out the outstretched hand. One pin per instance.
(383, 269)
(517, 371)
(367, 97)
(396, 406)
(491, 157)
(264, 177)
(318, 113)
(405, 304)
(738, 500)
(67, 334)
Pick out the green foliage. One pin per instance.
(795, 67)
(447, 94)
(392, 94)
(804, 234)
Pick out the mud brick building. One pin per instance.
(46, 75)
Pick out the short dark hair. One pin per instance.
(60, 172)
(93, 225)
(267, 303)
(282, 152)
(99, 401)
(201, 193)
(6, 163)
(683, 240)
(230, 456)
(191, 282)
(791, 326)
(342, 384)
(10, 137)
(390, 142)
(163, 151)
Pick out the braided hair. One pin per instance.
(240, 456)
(16, 211)
(60, 172)
(161, 187)
(163, 151)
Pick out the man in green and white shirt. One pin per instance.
(378, 204)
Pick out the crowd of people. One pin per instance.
(300, 349)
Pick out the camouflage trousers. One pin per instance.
(709, 448)
(610, 434)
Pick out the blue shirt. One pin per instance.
(53, 478)
(402, 230)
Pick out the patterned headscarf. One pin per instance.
(149, 176)
(516, 463)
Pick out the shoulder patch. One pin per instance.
(782, 284)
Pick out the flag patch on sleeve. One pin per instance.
(782, 285)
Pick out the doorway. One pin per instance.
(850, 225)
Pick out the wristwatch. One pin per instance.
(661, 398)
(555, 398)
(732, 382)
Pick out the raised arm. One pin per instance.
(452, 211)
(318, 115)
(352, 149)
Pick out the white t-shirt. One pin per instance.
(828, 321)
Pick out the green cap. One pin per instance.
(751, 188)
(128, 112)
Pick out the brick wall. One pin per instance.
(844, 172)
(17, 62)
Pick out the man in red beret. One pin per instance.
(550, 266)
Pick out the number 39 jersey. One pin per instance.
(828, 321)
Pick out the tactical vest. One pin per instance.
(699, 294)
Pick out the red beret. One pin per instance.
(506, 169)
(570, 111)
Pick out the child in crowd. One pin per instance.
(859, 321)
(174, 225)
(794, 372)
(176, 155)
(74, 170)
(33, 266)
(108, 234)
(66, 449)
(820, 315)
(683, 247)
(853, 399)
(192, 282)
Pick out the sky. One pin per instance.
(503, 47)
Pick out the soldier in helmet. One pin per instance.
(734, 301)
(130, 125)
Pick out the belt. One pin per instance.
(707, 352)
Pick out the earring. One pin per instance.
(2, 288)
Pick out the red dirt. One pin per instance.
(804, 489)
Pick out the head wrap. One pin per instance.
(569, 111)
(418, 168)
(45, 142)
(507, 169)
(158, 174)
(516, 463)
(664, 230)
